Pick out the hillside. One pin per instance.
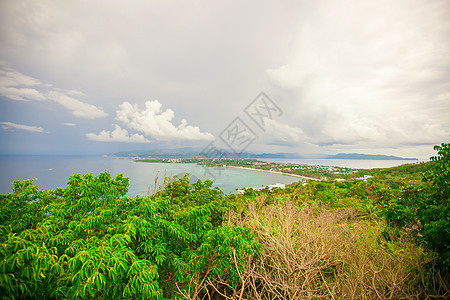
(386, 237)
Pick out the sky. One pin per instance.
(307, 77)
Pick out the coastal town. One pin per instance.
(307, 172)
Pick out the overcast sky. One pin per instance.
(86, 77)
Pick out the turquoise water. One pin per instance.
(53, 171)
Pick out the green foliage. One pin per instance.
(398, 196)
(434, 211)
(439, 175)
(91, 241)
(407, 172)
(424, 207)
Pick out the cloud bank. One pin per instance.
(277, 133)
(366, 75)
(350, 75)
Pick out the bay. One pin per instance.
(53, 171)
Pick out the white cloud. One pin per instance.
(70, 124)
(11, 77)
(117, 135)
(17, 86)
(78, 108)
(365, 74)
(21, 94)
(7, 125)
(157, 124)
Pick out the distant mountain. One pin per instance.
(274, 155)
(189, 152)
(366, 156)
(197, 153)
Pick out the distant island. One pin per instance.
(197, 153)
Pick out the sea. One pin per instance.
(51, 172)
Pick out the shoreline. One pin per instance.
(275, 172)
(238, 167)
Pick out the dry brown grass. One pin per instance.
(318, 253)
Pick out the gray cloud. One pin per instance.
(367, 75)
(349, 75)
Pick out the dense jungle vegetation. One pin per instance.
(384, 238)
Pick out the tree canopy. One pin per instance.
(91, 241)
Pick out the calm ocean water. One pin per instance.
(53, 171)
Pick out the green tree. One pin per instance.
(91, 241)
(434, 211)
(425, 205)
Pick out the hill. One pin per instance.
(381, 238)
(189, 152)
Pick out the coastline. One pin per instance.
(238, 167)
(275, 172)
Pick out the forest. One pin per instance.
(386, 237)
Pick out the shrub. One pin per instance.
(91, 241)
(314, 252)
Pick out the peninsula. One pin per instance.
(299, 170)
